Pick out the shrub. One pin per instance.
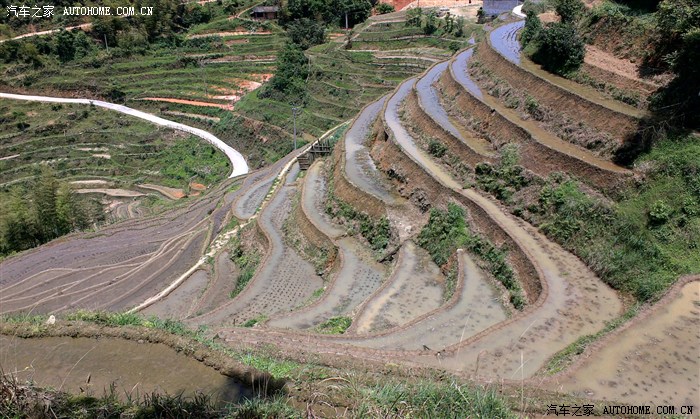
(559, 48)
(660, 213)
(383, 8)
(533, 27)
(436, 148)
(569, 10)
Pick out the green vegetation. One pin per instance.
(429, 400)
(334, 325)
(557, 46)
(679, 46)
(247, 261)
(41, 211)
(384, 8)
(639, 244)
(448, 231)
(562, 359)
(189, 159)
(569, 10)
(252, 322)
(376, 232)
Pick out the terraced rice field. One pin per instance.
(396, 298)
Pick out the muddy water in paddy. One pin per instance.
(179, 303)
(315, 190)
(428, 97)
(137, 369)
(359, 276)
(359, 167)
(654, 361)
(283, 280)
(576, 303)
(413, 290)
(475, 308)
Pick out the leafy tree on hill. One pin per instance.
(569, 10)
(384, 8)
(289, 82)
(678, 45)
(532, 29)
(559, 48)
(306, 32)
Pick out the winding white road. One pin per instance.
(238, 163)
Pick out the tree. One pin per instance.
(459, 26)
(559, 48)
(289, 81)
(44, 200)
(306, 32)
(569, 10)
(414, 17)
(431, 23)
(384, 8)
(65, 47)
(533, 27)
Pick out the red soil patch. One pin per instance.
(197, 186)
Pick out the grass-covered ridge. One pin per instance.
(448, 231)
(641, 239)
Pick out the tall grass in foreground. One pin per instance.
(18, 400)
(427, 399)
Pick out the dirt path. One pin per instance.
(83, 27)
(111, 192)
(227, 107)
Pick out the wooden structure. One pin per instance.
(265, 12)
(319, 149)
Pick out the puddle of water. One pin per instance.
(654, 361)
(415, 289)
(72, 364)
(505, 40)
(461, 75)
